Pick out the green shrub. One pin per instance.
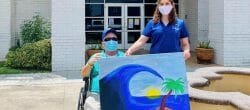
(35, 29)
(2, 63)
(35, 55)
(14, 48)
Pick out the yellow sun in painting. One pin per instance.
(153, 93)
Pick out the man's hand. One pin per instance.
(94, 58)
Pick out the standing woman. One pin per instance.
(167, 32)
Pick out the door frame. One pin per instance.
(124, 32)
(141, 17)
(106, 18)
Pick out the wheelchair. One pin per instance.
(83, 94)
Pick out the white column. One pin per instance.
(5, 27)
(203, 19)
(229, 31)
(182, 8)
(191, 15)
(68, 46)
(216, 29)
(196, 16)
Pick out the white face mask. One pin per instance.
(166, 9)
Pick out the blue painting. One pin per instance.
(144, 82)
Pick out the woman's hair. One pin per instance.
(157, 15)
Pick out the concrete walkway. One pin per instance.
(61, 96)
(40, 91)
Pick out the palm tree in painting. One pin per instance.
(171, 86)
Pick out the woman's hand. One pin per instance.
(187, 54)
(128, 52)
(137, 45)
(186, 48)
(94, 58)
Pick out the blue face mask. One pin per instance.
(111, 45)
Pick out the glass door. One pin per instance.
(127, 19)
(114, 17)
(134, 23)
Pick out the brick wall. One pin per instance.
(26, 9)
(68, 45)
(5, 27)
(236, 32)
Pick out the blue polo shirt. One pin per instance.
(165, 38)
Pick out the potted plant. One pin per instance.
(204, 52)
(92, 49)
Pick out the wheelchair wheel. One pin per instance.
(81, 100)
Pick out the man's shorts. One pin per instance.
(92, 102)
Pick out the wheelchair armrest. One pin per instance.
(83, 93)
(86, 85)
(85, 79)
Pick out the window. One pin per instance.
(149, 12)
(124, 1)
(94, 1)
(115, 23)
(176, 1)
(133, 36)
(177, 6)
(114, 1)
(94, 24)
(115, 11)
(93, 37)
(94, 10)
(150, 1)
(149, 9)
(94, 18)
(134, 11)
(133, 1)
(135, 24)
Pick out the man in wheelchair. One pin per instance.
(91, 71)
